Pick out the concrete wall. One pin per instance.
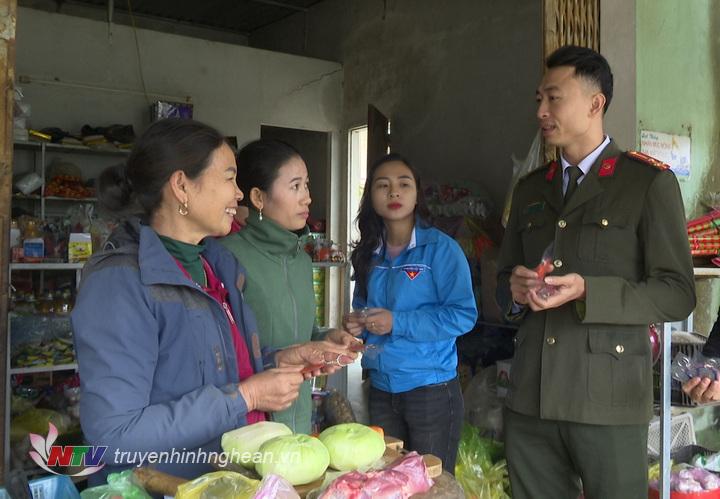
(457, 79)
(234, 88)
(678, 91)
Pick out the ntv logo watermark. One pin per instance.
(46, 454)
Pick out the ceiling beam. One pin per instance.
(281, 4)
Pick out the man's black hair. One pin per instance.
(588, 64)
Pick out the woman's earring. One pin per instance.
(183, 208)
(260, 215)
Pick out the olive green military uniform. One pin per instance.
(580, 394)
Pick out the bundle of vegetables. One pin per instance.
(480, 468)
(691, 479)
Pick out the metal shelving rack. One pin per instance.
(40, 164)
(665, 402)
(40, 151)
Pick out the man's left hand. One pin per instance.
(569, 287)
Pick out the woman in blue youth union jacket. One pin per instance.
(413, 298)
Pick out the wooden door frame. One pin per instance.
(8, 19)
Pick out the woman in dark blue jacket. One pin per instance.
(414, 293)
(168, 353)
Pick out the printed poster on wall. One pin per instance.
(671, 149)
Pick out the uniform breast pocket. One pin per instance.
(607, 237)
(618, 365)
(536, 232)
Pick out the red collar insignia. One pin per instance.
(551, 171)
(607, 167)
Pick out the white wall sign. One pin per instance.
(671, 149)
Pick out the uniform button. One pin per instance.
(562, 224)
(619, 349)
(550, 340)
(604, 222)
(557, 263)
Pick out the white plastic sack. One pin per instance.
(532, 161)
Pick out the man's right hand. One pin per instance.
(522, 281)
(272, 390)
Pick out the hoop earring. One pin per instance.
(183, 208)
(260, 215)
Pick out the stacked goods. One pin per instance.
(319, 290)
(704, 234)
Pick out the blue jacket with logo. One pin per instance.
(155, 353)
(429, 291)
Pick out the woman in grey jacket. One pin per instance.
(168, 352)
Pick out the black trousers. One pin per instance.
(428, 419)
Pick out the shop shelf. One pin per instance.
(43, 369)
(46, 266)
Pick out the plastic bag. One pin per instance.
(219, 485)
(685, 368)
(483, 408)
(36, 421)
(520, 168)
(54, 487)
(275, 487)
(480, 469)
(119, 485)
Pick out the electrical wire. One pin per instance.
(139, 58)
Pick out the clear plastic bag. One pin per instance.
(520, 168)
(119, 485)
(275, 487)
(685, 368)
(480, 469)
(219, 485)
(483, 408)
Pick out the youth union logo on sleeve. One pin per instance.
(46, 454)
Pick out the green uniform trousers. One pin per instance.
(560, 459)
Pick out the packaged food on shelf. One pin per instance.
(80, 247)
(40, 340)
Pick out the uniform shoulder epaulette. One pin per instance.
(548, 170)
(648, 160)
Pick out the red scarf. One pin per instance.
(216, 289)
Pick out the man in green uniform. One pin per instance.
(580, 395)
